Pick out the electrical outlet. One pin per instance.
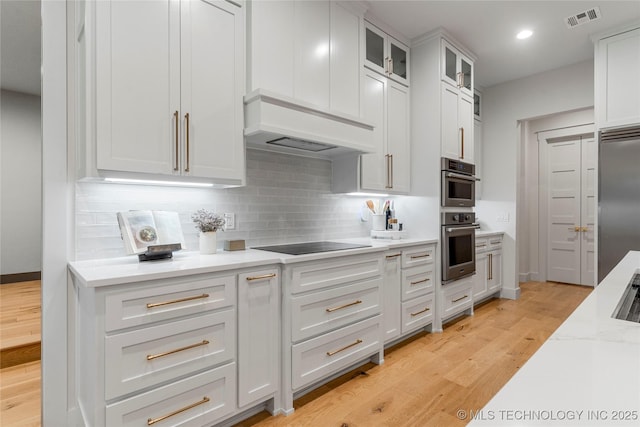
(229, 221)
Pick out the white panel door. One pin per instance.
(345, 60)
(588, 211)
(258, 335)
(563, 179)
(212, 88)
(449, 123)
(398, 136)
(137, 85)
(311, 47)
(373, 166)
(391, 295)
(465, 124)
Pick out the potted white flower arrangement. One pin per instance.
(208, 223)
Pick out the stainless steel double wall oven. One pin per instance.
(458, 228)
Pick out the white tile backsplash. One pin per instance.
(286, 199)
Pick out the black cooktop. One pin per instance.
(310, 247)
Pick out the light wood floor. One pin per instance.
(426, 381)
(423, 382)
(20, 320)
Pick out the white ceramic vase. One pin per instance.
(208, 243)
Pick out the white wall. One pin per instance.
(21, 183)
(505, 106)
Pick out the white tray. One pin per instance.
(388, 234)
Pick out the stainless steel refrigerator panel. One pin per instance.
(618, 202)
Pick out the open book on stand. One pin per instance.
(148, 232)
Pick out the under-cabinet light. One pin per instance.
(367, 194)
(154, 182)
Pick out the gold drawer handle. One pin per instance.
(420, 312)
(481, 246)
(419, 281)
(175, 301)
(329, 310)
(460, 299)
(331, 353)
(152, 421)
(495, 242)
(177, 350)
(393, 256)
(420, 256)
(264, 276)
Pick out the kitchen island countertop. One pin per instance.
(587, 373)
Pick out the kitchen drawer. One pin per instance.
(147, 357)
(336, 271)
(194, 401)
(150, 304)
(494, 243)
(457, 297)
(482, 244)
(418, 255)
(327, 354)
(319, 312)
(417, 281)
(417, 313)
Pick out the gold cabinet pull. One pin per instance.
(420, 312)
(495, 242)
(391, 157)
(177, 350)
(175, 301)
(462, 140)
(420, 256)
(584, 229)
(419, 281)
(387, 160)
(490, 266)
(461, 298)
(152, 421)
(176, 115)
(186, 119)
(356, 342)
(576, 229)
(390, 66)
(330, 310)
(484, 245)
(261, 277)
(393, 256)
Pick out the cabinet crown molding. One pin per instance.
(443, 33)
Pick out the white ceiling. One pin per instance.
(487, 28)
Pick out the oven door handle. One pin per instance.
(461, 176)
(471, 227)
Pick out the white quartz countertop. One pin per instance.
(112, 271)
(587, 373)
(488, 233)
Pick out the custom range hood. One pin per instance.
(279, 123)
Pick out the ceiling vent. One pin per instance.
(583, 17)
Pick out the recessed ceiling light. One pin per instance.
(524, 34)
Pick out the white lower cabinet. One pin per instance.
(193, 350)
(488, 278)
(409, 301)
(197, 400)
(332, 320)
(457, 297)
(258, 335)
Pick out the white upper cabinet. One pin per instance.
(457, 125)
(617, 91)
(168, 95)
(385, 54)
(308, 51)
(457, 69)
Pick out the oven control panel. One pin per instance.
(453, 218)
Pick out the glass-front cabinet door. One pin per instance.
(375, 55)
(399, 66)
(386, 55)
(457, 69)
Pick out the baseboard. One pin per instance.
(20, 277)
